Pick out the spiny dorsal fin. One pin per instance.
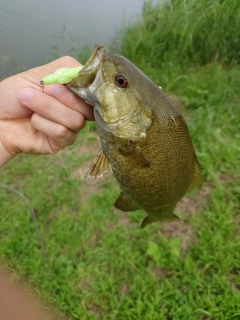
(100, 170)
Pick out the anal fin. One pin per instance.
(125, 204)
(150, 219)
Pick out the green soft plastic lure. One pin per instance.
(62, 75)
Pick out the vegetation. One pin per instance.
(186, 32)
(96, 262)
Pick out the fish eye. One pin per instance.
(121, 81)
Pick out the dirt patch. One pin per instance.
(177, 101)
(95, 310)
(226, 177)
(81, 173)
(236, 221)
(83, 285)
(188, 206)
(159, 272)
(123, 219)
(125, 289)
(90, 147)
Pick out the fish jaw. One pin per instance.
(96, 85)
(83, 85)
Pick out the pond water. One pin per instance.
(33, 32)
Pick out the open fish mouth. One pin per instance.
(88, 73)
(84, 84)
(95, 57)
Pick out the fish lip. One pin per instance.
(81, 84)
(95, 58)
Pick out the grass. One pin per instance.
(99, 264)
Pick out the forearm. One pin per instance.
(5, 156)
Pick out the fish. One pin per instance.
(145, 140)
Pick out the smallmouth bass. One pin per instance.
(145, 140)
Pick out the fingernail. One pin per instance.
(25, 95)
(52, 89)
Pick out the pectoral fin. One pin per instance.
(135, 152)
(125, 204)
(167, 217)
(100, 170)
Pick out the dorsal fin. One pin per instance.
(198, 178)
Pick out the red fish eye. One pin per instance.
(121, 81)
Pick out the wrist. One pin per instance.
(5, 155)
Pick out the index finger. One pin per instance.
(61, 93)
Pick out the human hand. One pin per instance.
(36, 119)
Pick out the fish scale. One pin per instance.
(158, 179)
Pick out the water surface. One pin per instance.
(33, 32)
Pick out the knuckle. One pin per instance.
(34, 120)
(78, 122)
(72, 138)
(60, 144)
(61, 132)
(54, 149)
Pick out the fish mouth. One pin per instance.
(89, 72)
(96, 56)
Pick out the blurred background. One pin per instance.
(79, 256)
